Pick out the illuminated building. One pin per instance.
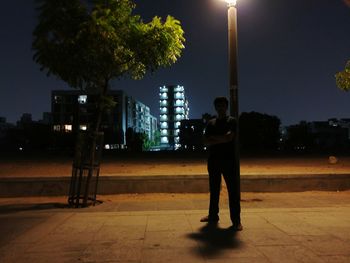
(173, 109)
(72, 110)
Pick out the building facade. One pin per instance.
(72, 110)
(319, 136)
(343, 123)
(173, 109)
(4, 127)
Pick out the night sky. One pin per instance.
(289, 51)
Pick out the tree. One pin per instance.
(134, 140)
(343, 78)
(259, 132)
(89, 43)
(149, 143)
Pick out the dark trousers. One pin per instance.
(226, 168)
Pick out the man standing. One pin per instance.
(219, 137)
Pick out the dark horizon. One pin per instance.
(288, 52)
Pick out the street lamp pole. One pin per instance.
(232, 56)
(233, 77)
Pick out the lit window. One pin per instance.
(179, 95)
(164, 140)
(177, 124)
(163, 89)
(164, 125)
(164, 132)
(57, 127)
(179, 88)
(68, 128)
(179, 110)
(179, 103)
(83, 127)
(82, 99)
(58, 99)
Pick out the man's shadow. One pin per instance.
(213, 239)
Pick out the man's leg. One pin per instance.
(214, 187)
(234, 193)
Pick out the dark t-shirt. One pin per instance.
(221, 127)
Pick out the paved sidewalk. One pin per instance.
(278, 227)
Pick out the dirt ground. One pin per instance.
(53, 167)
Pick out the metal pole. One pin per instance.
(233, 84)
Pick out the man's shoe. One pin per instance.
(237, 227)
(209, 219)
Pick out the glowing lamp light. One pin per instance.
(231, 2)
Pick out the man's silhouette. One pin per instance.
(219, 137)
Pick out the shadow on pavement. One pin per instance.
(213, 239)
(19, 207)
(13, 208)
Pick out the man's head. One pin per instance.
(221, 105)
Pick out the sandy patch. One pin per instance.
(249, 166)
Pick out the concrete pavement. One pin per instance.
(278, 227)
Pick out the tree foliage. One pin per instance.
(343, 78)
(88, 43)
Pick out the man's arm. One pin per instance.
(217, 139)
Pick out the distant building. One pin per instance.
(25, 119)
(318, 136)
(27, 135)
(139, 117)
(173, 109)
(343, 123)
(153, 127)
(4, 127)
(47, 118)
(328, 136)
(73, 110)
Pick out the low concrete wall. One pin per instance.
(310, 182)
(17, 187)
(34, 186)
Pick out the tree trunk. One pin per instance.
(87, 159)
(95, 134)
